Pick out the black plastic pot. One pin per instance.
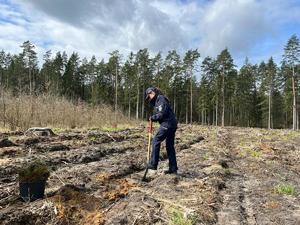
(32, 191)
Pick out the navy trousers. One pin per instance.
(162, 134)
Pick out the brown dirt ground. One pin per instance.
(226, 176)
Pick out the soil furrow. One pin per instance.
(226, 176)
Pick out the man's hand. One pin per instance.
(152, 118)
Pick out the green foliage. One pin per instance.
(92, 138)
(112, 129)
(177, 218)
(256, 154)
(33, 172)
(227, 171)
(206, 157)
(286, 189)
(213, 92)
(292, 51)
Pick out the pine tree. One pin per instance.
(46, 72)
(58, 68)
(144, 78)
(129, 70)
(29, 57)
(72, 80)
(225, 67)
(189, 66)
(291, 59)
(270, 81)
(246, 95)
(2, 68)
(114, 68)
(208, 90)
(90, 81)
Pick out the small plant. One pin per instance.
(206, 157)
(178, 218)
(227, 171)
(286, 189)
(34, 172)
(256, 154)
(93, 138)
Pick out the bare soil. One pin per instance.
(226, 176)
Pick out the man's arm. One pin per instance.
(161, 110)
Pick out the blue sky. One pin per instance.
(258, 29)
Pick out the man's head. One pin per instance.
(150, 93)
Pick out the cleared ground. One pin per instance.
(226, 176)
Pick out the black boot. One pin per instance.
(149, 166)
(170, 171)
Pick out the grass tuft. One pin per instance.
(256, 154)
(177, 217)
(286, 189)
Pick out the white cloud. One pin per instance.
(91, 27)
(236, 24)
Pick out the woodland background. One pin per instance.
(210, 91)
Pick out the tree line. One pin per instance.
(255, 95)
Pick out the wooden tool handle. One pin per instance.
(149, 140)
(150, 127)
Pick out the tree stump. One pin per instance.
(6, 143)
(39, 131)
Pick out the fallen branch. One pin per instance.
(58, 178)
(110, 137)
(166, 201)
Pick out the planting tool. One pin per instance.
(149, 147)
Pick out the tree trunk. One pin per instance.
(223, 98)
(191, 98)
(30, 84)
(297, 121)
(230, 115)
(216, 112)
(294, 102)
(207, 118)
(269, 120)
(129, 107)
(143, 104)
(137, 101)
(116, 94)
(3, 106)
(187, 107)
(186, 113)
(233, 113)
(1, 78)
(286, 120)
(116, 89)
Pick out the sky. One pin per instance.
(257, 29)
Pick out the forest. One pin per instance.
(204, 90)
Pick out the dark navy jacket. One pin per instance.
(163, 112)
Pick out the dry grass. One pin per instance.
(24, 111)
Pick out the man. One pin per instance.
(163, 114)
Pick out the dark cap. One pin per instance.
(148, 91)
